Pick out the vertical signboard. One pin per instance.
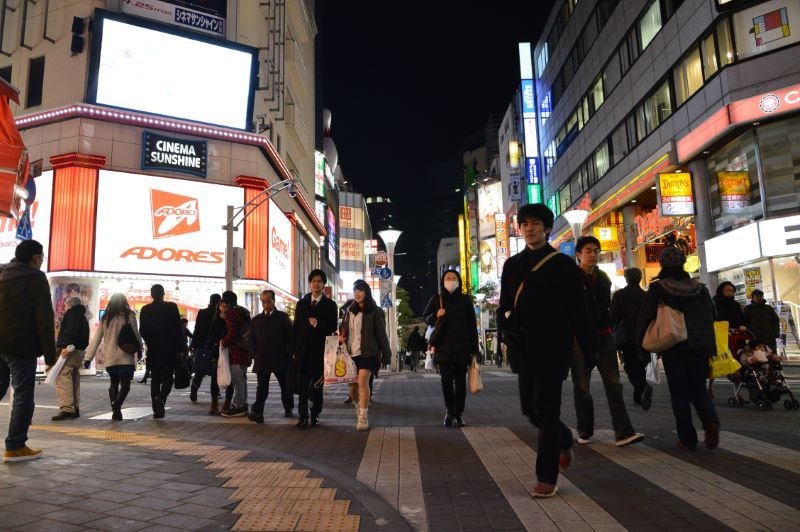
(734, 191)
(675, 194)
(332, 237)
(350, 217)
(280, 248)
(501, 233)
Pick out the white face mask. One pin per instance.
(451, 286)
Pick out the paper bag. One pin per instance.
(339, 366)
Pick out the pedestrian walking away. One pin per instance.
(455, 342)
(26, 332)
(204, 355)
(237, 322)
(625, 307)
(363, 333)
(598, 289)
(162, 331)
(415, 346)
(315, 318)
(271, 344)
(686, 363)
(120, 363)
(73, 331)
(542, 313)
(762, 320)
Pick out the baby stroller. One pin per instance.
(762, 377)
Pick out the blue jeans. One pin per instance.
(239, 383)
(21, 371)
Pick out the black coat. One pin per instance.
(74, 329)
(764, 322)
(374, 340)
(415, 342)
(271, 342)
(202, 328)
(728, 309)
(458, 339)
(625, 308)
(553, 313)
(26, 313)
(309, 342)
(161, 328)
(598, 286)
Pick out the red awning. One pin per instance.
(13, 155)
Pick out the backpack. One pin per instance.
(243, 328)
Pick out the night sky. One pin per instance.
(410, 85)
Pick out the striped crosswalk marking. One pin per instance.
(511, 464)
(732, 504)
(430, 375)
(500, 373)
(770, 454)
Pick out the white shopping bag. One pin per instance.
(651, 371)
(429, 362)
(223, 368)
(55, 371)
(339, 366)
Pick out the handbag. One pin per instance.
(127, 340)
(436, 333)
(666, 331)
(475, 380)
(183, 374)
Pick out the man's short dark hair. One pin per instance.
(633, 276)
(318, 273)
(582, 241)
(229, 297)
(756, 292)
(536, 211)
(157, 291)
(270, 292)
(214, 300)
(26, 250)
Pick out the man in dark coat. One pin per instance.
(26, 332)
(762, 319)
(203, 353)
(314, 319)
(543, 318)
(74, 331)
(161, 328)
(271, 349)
(415, 346)
(626, 306)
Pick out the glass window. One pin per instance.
(601, 160)
(779, 144)
(623, 57)
(604, 9)
(576, 185)
(649, 114)
(631, 127)
(670, 7)
(662, 102)
(709, 56)
(724, 42)
(572, 121)
(590, 30)
(541, 60)
(633, 46)
(586, 111)
(688, 76)
(33, 96)
(588, 170)
(650, 24)
(641, 123)
(5, 73)
(733, 184)
(611, 74)
(597, 94)
(564, 198)
(556, 90)
(619, 144)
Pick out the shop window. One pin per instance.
(602, 162)
(597, 94)
(564, 199)
(725, 42)
(649, 24)
(670, 7)
(619, 144)
(688, 76)
(709, 56)
(585, 107)
(779, 145)
(733, 184)
(33, 96)
(611, 74)
(5, 73)
(631, 127)
(590, 31)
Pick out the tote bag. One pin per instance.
(475, 380)
(666, 331)
(223, 368)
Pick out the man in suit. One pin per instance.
(161, 328)
(315, 318)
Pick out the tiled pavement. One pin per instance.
(194, 471)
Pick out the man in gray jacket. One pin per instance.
(26, 332)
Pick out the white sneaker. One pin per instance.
(584, 440)
(628, 440)
(362, 424)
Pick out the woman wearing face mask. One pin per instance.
(456, 343)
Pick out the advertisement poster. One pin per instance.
(319, 174)
(280, 248)
(734, 191)
(501, 232)
(40, 221)
(350, 217)
(332, 240)
(351, 249)
(767, 26)
(752, 280)
(490, 202)
(608, 237)
(675, 191)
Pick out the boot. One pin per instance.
(214, 410)
(112, 395)
(226, 405)
(193, 394)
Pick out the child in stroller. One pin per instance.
(762, 375)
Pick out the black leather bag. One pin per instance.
(127, 340)
(436, 334)
(183, 374)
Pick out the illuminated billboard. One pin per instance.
(319, 174)
(332, 237)
(490, 202)
(280, 248)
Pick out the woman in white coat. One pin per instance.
(119, 364)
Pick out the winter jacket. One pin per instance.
(764, 322)
(624, 312)
(108, 333)
(202, 328)
(74, 329)
(271, 342)
(415, 342)
(162, 331)
(27, 322)
(553, 312)
(693, 300)
(374, 340)
(309, 342)
(234, 322)
(458, 337)
(598, 286)
(728, 309)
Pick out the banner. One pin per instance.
(675, 191)
(319, 174)
(734, 191)
(350, 218)
(752, 280)
(501, 232)
(351, 249)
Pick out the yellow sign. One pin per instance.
(734, 191)
(608, 237)
(676, 194)
(752, 280)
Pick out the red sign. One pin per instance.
(173, 214)
(381, 258)
(765, 105)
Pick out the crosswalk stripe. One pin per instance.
(732, 504)
(499, 373)
(430, 375)
(511, 464)
(773, 455)
(390, 466)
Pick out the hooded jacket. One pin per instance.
(74, 329)
(693, 300)
(27, 322)
(374, 340)
(458, 339)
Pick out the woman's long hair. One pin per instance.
(117, 306)
(722, 286)
(369, 301)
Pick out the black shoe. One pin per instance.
(158, 408)
(117, 414)
(448, 420)
(348, 400)
(257, 418)
(302, 423)
(288, 413)
(314, 420)
(647, 397)
(61, 416)
(193, 394)
(459, 421)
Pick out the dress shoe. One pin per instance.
(712, 436)
(116, 414)
(256, 418)
(288, 413)
(61, 416)
(193, 394)
(448, 419)
(302, 423)
(314, 420)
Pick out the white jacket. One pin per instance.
(112, 354)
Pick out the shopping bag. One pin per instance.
(724, 363)
(475, 380)
(666, 331)
(651, 370)
(55, 371)
(339, 366)
(429, 362)
(223, 368)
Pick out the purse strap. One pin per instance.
(536, 267)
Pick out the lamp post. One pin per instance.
(576, 218)
(390, 238)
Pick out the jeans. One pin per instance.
(239, 383)
(161, 378)
(262, 392)
(541, 403)
(454, 387)
(19, 372)
(635, 369)
(686, 379)
(68, 385)
(608, 367)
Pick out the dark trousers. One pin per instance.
(262, 392)
(19, 372)
(541, 403)
(118, 389)
(454, 387)
(635, 369)
(197, 380)
(308, 390)
(161, 379)
(608, 367)
(686, 378)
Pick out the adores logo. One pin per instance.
(173, 214)
(769, 103)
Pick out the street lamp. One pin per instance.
(390, 238)
(576, 218)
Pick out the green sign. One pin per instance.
(534, 193)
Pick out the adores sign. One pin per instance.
(160, 225)
(280, 251)
(174, 155)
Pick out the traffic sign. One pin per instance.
(385, 273)
(381, 258)
(24, 231)
(376, 272)
(386, 301)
